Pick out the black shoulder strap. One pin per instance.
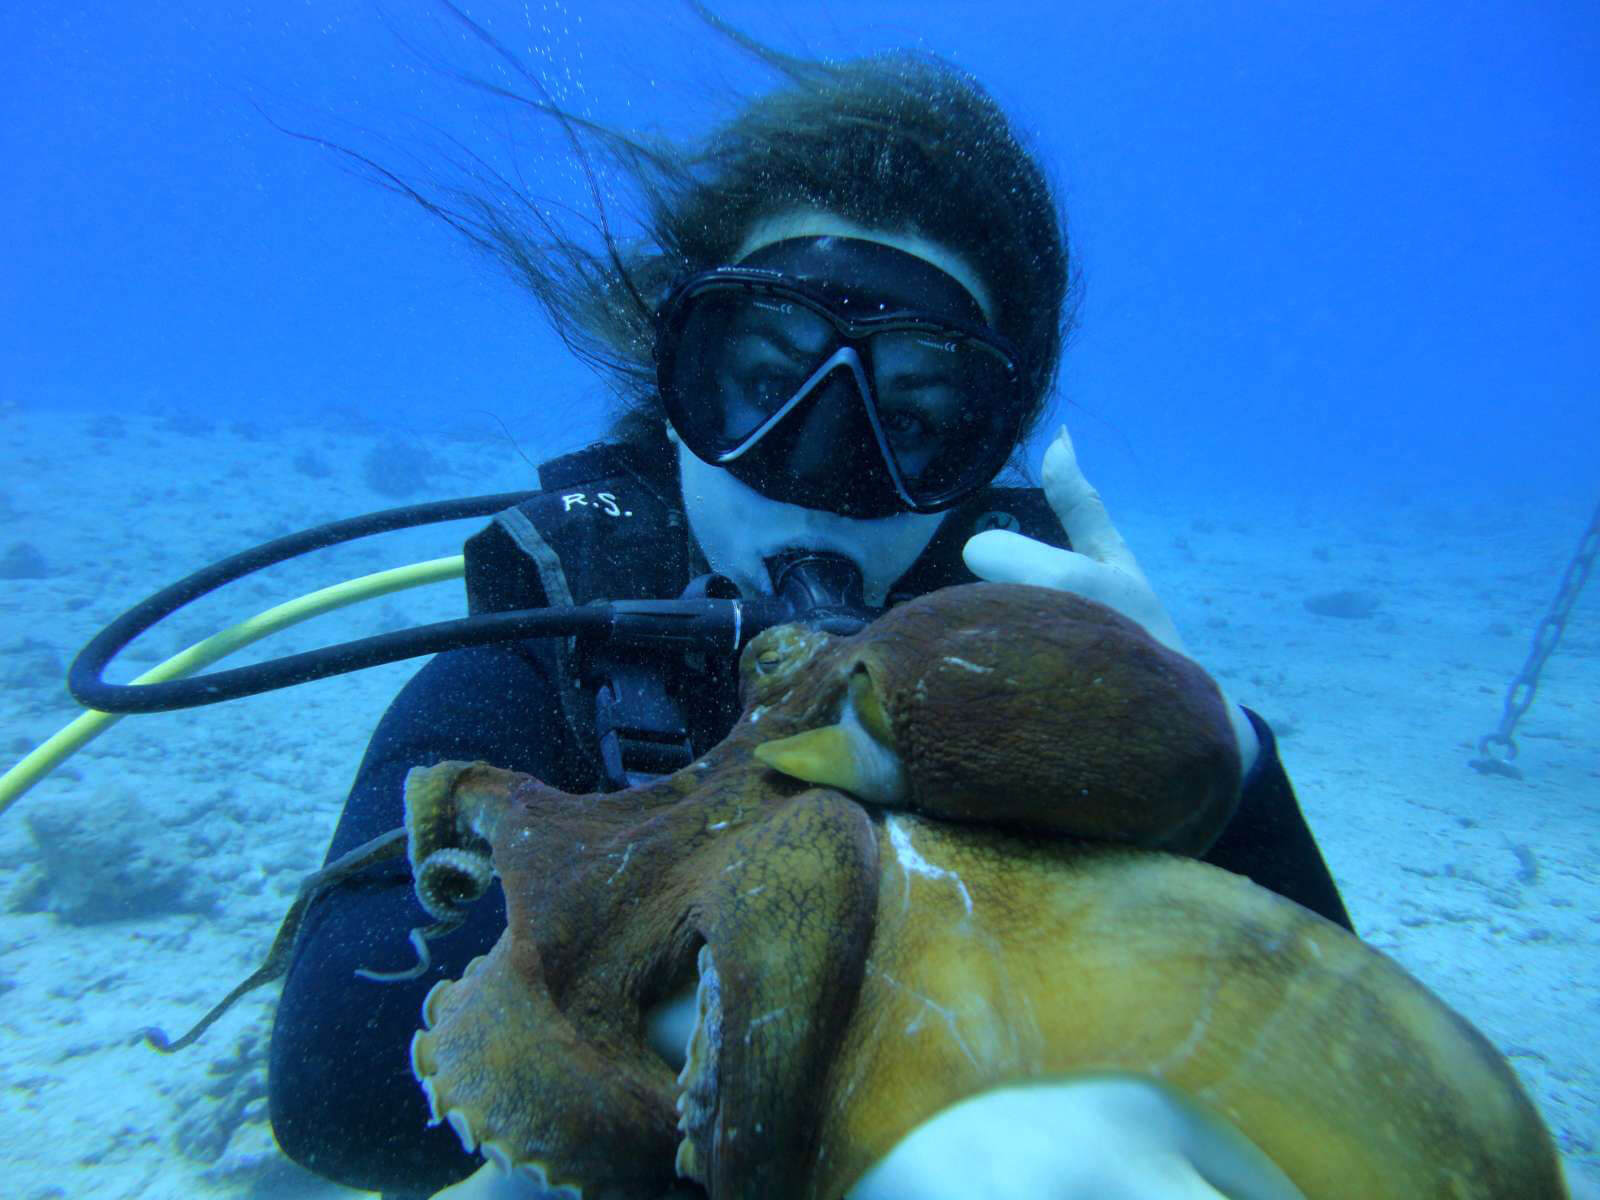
(600, 529)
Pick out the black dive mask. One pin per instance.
(884, 394)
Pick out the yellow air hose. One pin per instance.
(67, 741)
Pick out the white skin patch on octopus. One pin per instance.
(626, 855)
(945, 1015)
(912, 862)
(967, 666)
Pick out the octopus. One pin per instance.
(951, 854)
(949, 858)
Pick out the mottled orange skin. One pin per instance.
(1035, 709)
(1019, 960)
(875, 965)
(541, 1043)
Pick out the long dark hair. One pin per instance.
(901, 141)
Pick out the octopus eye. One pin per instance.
(768, 660)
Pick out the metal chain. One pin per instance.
(1519, 697)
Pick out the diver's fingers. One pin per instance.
(1000, 556)
(1079, 508)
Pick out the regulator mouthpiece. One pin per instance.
(820, 589)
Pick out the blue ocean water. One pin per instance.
(1337, 267)
(1324, 247)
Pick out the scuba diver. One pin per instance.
(843, 320)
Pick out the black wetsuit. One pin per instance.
(343, 1099)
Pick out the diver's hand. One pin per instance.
(1087, 1139)
(1099, 568)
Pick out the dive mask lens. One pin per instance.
(948, 409)
(751, 362)
(739, 359)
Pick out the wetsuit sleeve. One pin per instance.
(342, 1097)
(1269, 841)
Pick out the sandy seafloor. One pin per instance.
(147, 875)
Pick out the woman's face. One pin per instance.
(874, 387)
(739, 528)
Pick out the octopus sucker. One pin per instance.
(697, 1081)
(462, 1124)
(451, 878)
(437, 995)
(422, 1063)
